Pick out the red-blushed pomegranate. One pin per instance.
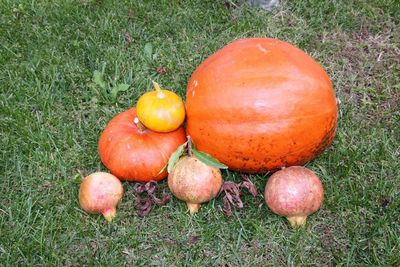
(100, 193)
(194, 182)
(295, 193)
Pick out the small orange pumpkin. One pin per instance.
(133, 153)
(161, 110)
(259, 104)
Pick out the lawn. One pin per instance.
(52, 114)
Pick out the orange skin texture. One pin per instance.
(193, 181)
(161, 110)
(135, 155)
(260, 104)
(294, 192)
(100, 193)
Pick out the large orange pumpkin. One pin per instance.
(259, 104)
(134, 153)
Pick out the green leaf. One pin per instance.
(148, 50)
(175, 156)
(208, 160)
(98, 79)
(119, 88)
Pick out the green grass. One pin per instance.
(52, 115)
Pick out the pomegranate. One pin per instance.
(295, 193)
(194, 182)
(100, 193)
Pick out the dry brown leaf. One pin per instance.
(233, 192)
(161, 70)
(128, 38)
(139, 188)
(227, 207)
(145, 204)
(161, 202)
(246, 183)
(192, 239)
(130, 14)
(231, 198)
(94, 247)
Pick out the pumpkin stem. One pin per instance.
(189, 146)
(157, 87)
(140, 126)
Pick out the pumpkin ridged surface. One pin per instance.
(133, 155)
(259, 104)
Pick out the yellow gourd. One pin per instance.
(160, 110)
